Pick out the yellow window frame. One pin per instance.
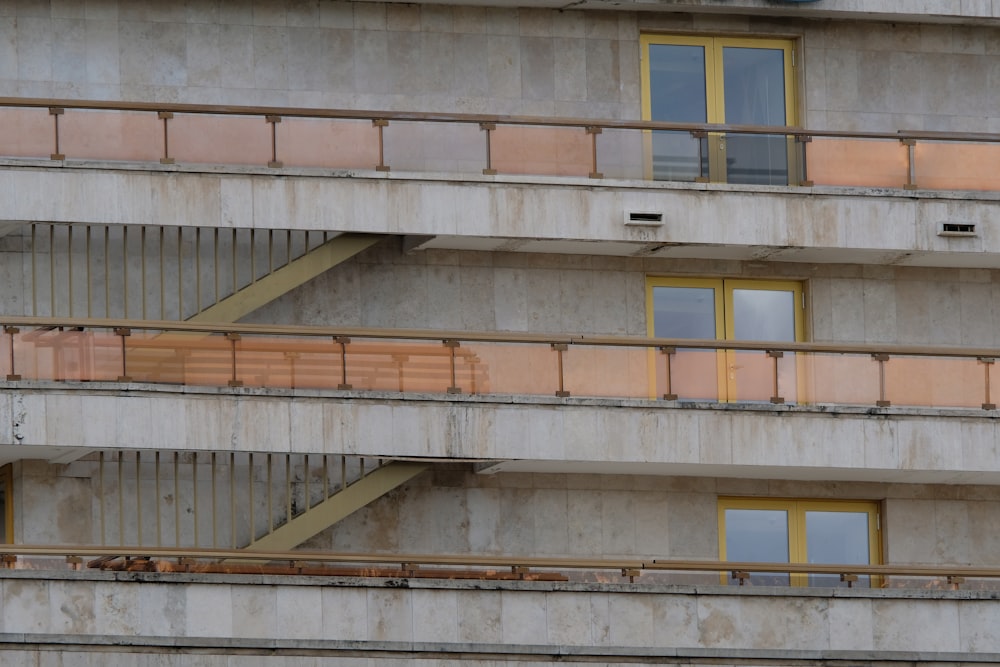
(715, 108)
(724, 316)
(796, 509)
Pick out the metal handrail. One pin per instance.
(943, 570)
(67, 323)
(500, 119)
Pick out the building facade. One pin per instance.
(343, 333)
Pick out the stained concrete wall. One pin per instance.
(874, 76)
(454, 290)
(495, 620)
(452, 510)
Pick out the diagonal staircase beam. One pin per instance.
(298, 272)
(341, 504)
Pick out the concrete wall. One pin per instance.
(499, 291)
(873, 76)
(451, 510)
(433, 620)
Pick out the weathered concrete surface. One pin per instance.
(508, 619)
(543, 214)
(533, 434)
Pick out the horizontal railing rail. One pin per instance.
(196, 133)
(13, 556)
(454, 362)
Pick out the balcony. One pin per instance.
(512, 402)
(600, 149)
(412, 616)
(467, 182)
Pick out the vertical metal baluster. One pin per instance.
(232, 497)
(107, 271)
(177, 499)
(194, 495)
(138, 497)
(270, 495)
(197, 267)
(273, 121)
(125, 269)
(288, 487)
(215, 509)
(100, 495)
(250, 494)
(165, 116)
(163, 281)
(69, 266)
(55, 112)
(159, 523)
(121, 498)
(142, 267)
(34, 270)
(52, 271)
(90, 229)
(305, 480)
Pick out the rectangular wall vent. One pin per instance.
(957, 229)
(643, 217)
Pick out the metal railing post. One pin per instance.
(776, 397)
(452, 345)
(234, 338)
(124, 332)
(343, 341)
(881, 358)
(560, 348)
(380, 125)
(55, 112)
(166, 116)
(12, 376)
(911, 166)
(667, 353)
(593, 131)
(488, 128)
(988, 403)
(273, 121)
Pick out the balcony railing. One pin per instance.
(427, 361)
(468, 143)
(480, 566)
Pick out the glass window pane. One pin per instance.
(837, 537)
(759, 536)
(763, 314)
(677, 94)
(754, 81)
(684, 312)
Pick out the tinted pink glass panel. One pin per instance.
(336, 144)
(863, 162)
(957, 166)
(447, 147)
(220, 139)
(838, 379)
(935, 382)
(398, 366)
(530, 369)
(26, 133)
(553, 151)
(695, 374)
(619, 372)
(752, 376)
(111, 135)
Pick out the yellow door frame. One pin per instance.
(715, 94)
(725, 319)
(796, 509)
